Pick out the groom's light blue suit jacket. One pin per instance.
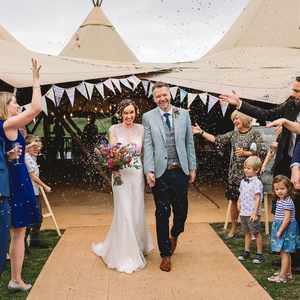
(155, 151)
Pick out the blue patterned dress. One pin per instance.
(24, 207)
(290, 238)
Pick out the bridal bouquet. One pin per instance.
(116, 157)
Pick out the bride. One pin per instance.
(128, 238)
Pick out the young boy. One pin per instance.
(251, 193)
(33, 148)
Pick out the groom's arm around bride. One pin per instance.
(169, 165)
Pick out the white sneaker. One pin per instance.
(12, 285)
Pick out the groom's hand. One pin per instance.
(192, 176)
(150, 179)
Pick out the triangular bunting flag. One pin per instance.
(25, 107)
(203, 98)
(191, 98)
(173, 91)
(58, 92)
(71, 95)
(100, 89)
(109, 84)
(145, 85)
(150, 89)
(224, 106)
(50, 95)
(90, 88)
(134, 80)
(125, 82)
(183, 94)
(212, 100)
(82, 90)
(117, 84)
(44, 105)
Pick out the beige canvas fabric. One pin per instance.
(97, 38)
(6, 36)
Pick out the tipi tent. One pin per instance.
(98, 39)
(7, 37)
(258, 57)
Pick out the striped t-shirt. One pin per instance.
(282, 205)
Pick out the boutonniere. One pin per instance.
(176, 113)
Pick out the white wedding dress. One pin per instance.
(129, 237)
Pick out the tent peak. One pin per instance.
(97, 3)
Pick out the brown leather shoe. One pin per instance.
(165, 264)
(173, 241)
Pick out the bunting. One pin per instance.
(108, 83)
(44, 105)
(117, 84)
(50, 95)
(173, 91)
(145, 86)
(126, 83)
(224, 106)
(90, 89)
(58, 92)
(150, 89)
(203, 97)
(71, 95)
(100, 89)
(191, 98)
(82, 90)
(134, 80)
(183, 94)
(212, 100)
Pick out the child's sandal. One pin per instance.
(289, 275)
(277, 279)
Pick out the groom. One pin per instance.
(169, 165)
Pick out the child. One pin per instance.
(285, 232)
(33, 148)
(251, 192)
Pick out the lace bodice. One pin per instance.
(120, 134)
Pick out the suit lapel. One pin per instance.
(160, 123)
(176, 124)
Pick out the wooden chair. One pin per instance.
(50, 212)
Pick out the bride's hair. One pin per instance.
(124, 103)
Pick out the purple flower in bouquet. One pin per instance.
(113, 158)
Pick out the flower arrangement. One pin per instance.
(113, 158)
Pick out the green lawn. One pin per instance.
(288, 291)
(33, 264)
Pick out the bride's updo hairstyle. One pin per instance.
(123, 104)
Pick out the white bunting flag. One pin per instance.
(100, 89)
(134, 80)
(203, 98)
(191, 98)
(125, 82)
(90, 88)
(117, 84)
(173, 91)
(183, 94)
(82, 90)
(212, 100)
(145, 85)
(50, 95)
(71, 95)
(224, 106)
(108, 83)
(58, 92)
(150, 89)
(44, 105)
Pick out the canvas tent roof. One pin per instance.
(98, 39)
(15, 67)
(6, 36)
(264, 23)
(258, 57)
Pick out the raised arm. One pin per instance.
(209, 137)
(289, 125)
(20, 120)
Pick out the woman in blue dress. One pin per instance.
(24, 208)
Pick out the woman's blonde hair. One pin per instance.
(5, 99)
(246, 120)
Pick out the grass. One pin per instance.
(33, 265)
(288, 291)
